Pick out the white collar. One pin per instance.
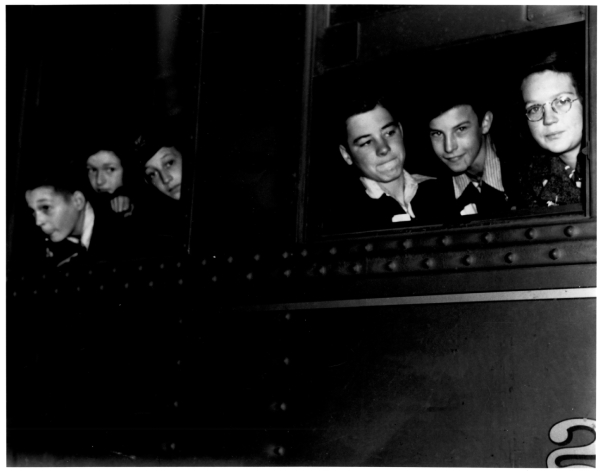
(88, 226)
(411, 183)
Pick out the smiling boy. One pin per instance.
(459, 132)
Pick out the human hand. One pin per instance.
(122, 204)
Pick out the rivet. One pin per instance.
(67, 274)
(101, 287)
(175, 404)
(283, 406)
(488, 237)
(14, 293)
(333, 251)
(304, 253)
(172, 446)
(230, 259)
(90, 272)
(509, 257)
(44, 276)
(468, 260)
(214, 279)
(78, 288)
(151, 284)
(323, 270)
(369, 247)
(569, 231)
(249, 276)
(445, 241)
(257, 257)
(428, 263)
(181, 321)
(34, 292)
(287, 273)
(357, 268)
(288, 316)
(126, 285)
(407, 243)
(140, 268)
(554, 254)
(162, 266)
(285, 255)
(180, 281)
(178, 362)
(204, 262)
(392, 266)
(286, 360)
(178, 265)
(279, 450)
(56, 291)
(530, 233)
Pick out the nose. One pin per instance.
(39, 219)
(449, 144)
(382, 147)
(550, 116)
(100, 179)
(165, 176)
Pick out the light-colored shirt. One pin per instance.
(492, 175)
(88, 227)
(411, 183)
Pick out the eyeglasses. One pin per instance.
(560, 105)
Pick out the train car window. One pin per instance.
(88, 80)
(350, 194)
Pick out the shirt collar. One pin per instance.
(375, 191)
(492, 174)
(88, 225)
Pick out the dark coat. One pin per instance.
(437, 203)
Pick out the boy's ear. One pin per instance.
(486, 123)
(78, 199)
(345, 155)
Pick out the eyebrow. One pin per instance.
(390, 124)
(527, 103)
(462, 123)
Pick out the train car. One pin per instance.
(274, 337)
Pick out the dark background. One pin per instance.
(79, 71)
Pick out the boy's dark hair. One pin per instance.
(357, 104)
(63, 179)
(560, 61)
(156, 135)
(448, 93)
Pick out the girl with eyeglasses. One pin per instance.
(553, 107)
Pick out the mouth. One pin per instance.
(554, 135)
(453, 159)
(174, 190)
(388, 165)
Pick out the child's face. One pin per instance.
(556, 132)
(57, 217)
(105, 172)
(164, 170)
(457, 137)
(375, 145)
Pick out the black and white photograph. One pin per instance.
(308, 235)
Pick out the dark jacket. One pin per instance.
(437, 203)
